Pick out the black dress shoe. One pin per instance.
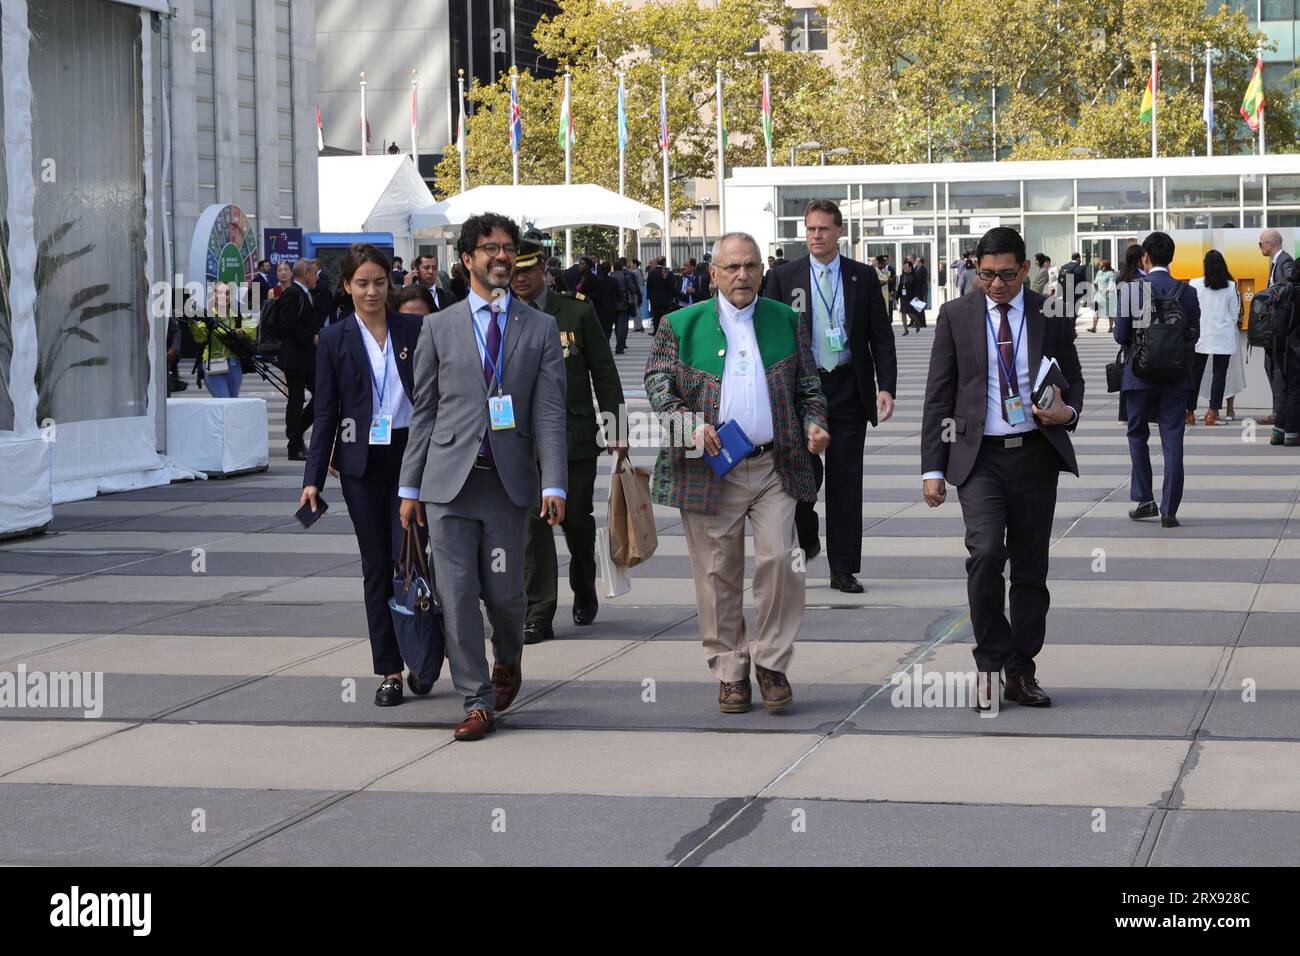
(845, 582)
(585, 613)
(389, 693)
(1024, 690)
(297, 453)
(986, 695)
(418, 689)
(1148, 510)
(536, 633)
(1168, 521)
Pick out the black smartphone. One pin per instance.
(306, 517)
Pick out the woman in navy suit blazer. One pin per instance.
(363, 410)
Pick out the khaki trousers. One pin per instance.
(716, 544)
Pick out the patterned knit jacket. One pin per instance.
(683, 381)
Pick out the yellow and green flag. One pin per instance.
(1148, 98)
(1252, 106)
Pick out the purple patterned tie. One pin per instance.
(494, 350)
(1006, 345)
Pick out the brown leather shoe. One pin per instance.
(1024, 690)
(774, 688)
(505, 684)
(735, 697)
(476, 725)
(1211, 417)
(1191, 418)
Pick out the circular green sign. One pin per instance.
(230, 264)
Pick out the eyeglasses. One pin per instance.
(1006, 275)
(494, 249)
(735, 267)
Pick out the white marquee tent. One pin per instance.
(372, 194)
(538, 207)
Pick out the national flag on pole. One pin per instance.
(767, 113)
(1207, 101)
(566, 118)
(663, 118)
(722, 117)
(622, 118)
(1148, 98)
(320, 131)
(516, 122)
(1252, 106)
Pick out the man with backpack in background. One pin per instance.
(1274, 328)
(1158, 324)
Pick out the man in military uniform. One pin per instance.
(588, 364)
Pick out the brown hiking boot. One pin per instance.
(735, 697)
(774, 688)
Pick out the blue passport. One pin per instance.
(735, 446)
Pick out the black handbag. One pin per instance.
(1115, 373)
(417, 618)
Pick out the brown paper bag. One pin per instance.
(632, 535)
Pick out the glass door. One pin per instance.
(1096, 248)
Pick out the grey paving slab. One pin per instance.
(320, 700)
(1277, 629)
(51, 824)
(128, 696)
(1190, 528)
(1144, 627)
(1274, 714)
(1087, 712)
(243, 563)
(949, 526)
(916, 834)
(1282, 572)
(85, 617)
(229, 524)
(855, 624)
(288, 620)
(1080, 569)
(415, 829)
(65, 564)
(596, 705)
(1213, 838)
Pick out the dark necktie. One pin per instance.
(493, 351)
(1006, 346)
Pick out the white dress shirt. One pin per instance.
(745, 398)
(383, 361)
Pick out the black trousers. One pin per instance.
(657, 312)
(620, 329)
(372, 504)
(1007, 503)
(298, 419)
(1218, 380)
(1282, 366)
(847, 422)
(541, 565)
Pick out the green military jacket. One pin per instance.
(589, 365)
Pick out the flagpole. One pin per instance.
(415, 121)
(364, 150)
(663, 142)
(767, 101)
(622, 156)
(460, 134)
(568, 163)
(1259, 58)
(722, 163)
(1155, 94)
(1209, 104)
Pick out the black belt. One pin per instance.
(482, 462)
(1013, 441)
(761, 449)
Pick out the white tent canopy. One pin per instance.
(539, 207)
(372, 194)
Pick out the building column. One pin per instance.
(266, 135)
(224, 43)
(302, 63)
(184, 142)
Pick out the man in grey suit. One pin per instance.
(489, 404)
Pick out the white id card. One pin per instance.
(381, 430)
(1015, 407)
(501, 411)
(835, 339)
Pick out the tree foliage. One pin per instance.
(914, 83)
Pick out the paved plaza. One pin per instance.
(228, 734)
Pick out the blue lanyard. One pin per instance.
(830, 309)
(1015, 345)
(380, 389)
(498, 367)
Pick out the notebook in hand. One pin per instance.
(1049, 374)
(735, 446)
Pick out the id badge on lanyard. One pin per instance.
(381, 426)
(501, 407)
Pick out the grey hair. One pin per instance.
(301, 266)
(717, 246)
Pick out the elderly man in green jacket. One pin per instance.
(737, 357)
(588, 365)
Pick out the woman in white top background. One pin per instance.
(1216, 292)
